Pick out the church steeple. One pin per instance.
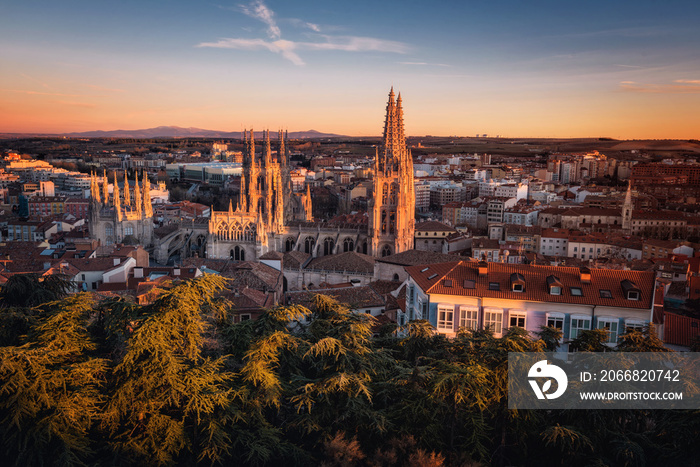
(117, 198)
(127, 191)
(392, 219)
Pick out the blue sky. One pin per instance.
(620, 69)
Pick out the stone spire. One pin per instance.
(137, 198)
(243, 199)
(117, 199)
(94, 188)
(267, 161)
(308, 206)
(254, 172)
(282, 150)
(105, 186)
(392, 218)
(127, 191)
(230, 207)
(147, 206)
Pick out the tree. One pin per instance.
(590, 341)
(166, 394)
(50, 388)
(644, 340)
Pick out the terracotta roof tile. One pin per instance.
(432, 280)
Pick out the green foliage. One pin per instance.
(551, 337)
(590, 341)
(30, 290)
(176, 383)
(645, 340)
(50, 395)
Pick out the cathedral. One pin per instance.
(270, 218)
(121, 219)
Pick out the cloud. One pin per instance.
(296, 22)
(288, 48)
(258, 10)
(282, 47)
(683, 87)
(424, 64)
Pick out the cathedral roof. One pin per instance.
(295, 259)
(349, 261)
(413, 257)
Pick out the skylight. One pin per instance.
(432, 276)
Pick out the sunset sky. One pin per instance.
(512, 68)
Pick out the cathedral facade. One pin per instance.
(116, 218)
(270, 217)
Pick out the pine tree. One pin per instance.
(167, 396)
(50, 395)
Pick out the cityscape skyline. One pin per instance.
(628, 70)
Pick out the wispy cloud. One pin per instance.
(289, 49)
(30, 78)
(424, 64)
(303, 24)
(258, 10)
(681, 86)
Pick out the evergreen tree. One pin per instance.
(50, 387)
(167, 397)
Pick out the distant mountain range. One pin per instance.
(179, 132)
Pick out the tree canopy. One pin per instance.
(177, 382)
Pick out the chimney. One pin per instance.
(138, 273)
(116, 261)
(483, 268)
(585, 274)
(176, 272)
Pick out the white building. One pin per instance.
(497, 296)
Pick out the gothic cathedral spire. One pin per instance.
(392, 219)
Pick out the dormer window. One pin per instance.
(554, 284)
(630, 289)
(517, 282)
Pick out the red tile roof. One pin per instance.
(431, 279)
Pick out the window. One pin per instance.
(576, 291)
(445, 318)
(633, 325)
(424, 310)
(468, 317)
(245, 317)
(610, 325)
(555, 290)
(516, 318)
(493, 320)
(128, 230)
(633, 295)
(555, 320)
(579, 324)
(604, 293)
(494, 286)
(575, 248)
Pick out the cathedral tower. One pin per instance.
(392, 209)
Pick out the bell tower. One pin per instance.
(392, 209)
